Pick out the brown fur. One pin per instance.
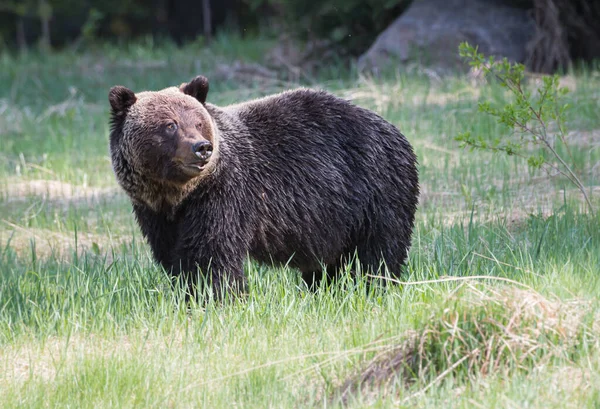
(150, 110)
(301, 177)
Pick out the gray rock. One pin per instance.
(429, 32)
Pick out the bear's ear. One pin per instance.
(121, 99)
(197, 88)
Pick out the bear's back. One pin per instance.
(317, 171)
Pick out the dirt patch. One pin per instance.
(570, 379)
(59, 195)
(48, 243)
(393, 95)
(537, 196)
(585, 138)
(45, 360)
(55, 191)
(12, 118)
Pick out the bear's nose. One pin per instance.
(203, 150)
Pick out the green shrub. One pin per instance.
(534, 119)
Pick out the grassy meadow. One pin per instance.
(499, 307)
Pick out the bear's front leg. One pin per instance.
(159, 231)
(215, 262)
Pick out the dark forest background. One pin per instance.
(347, 26)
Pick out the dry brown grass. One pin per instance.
(54, 190)
(44, 360)
(47, 241)
(482, 330)
(50, 243)
(392, 95)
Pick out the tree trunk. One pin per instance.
(206, 20)
(566, 30)
(21, 39)
(45, 14)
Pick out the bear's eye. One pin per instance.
(199, 125)
(172, 127)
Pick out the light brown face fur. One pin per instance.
(162, 142)
(162, 130)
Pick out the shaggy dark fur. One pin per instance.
(301, 176)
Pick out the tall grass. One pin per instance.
(88, 320)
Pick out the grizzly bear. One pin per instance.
(301, 177)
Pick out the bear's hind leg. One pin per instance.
(381, 262)
(314, 278)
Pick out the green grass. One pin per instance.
(88, 320)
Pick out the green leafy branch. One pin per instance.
(535, 118)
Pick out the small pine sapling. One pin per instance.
(534, 118)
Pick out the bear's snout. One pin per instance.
(203, 150)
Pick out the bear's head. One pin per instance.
(160, 141)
